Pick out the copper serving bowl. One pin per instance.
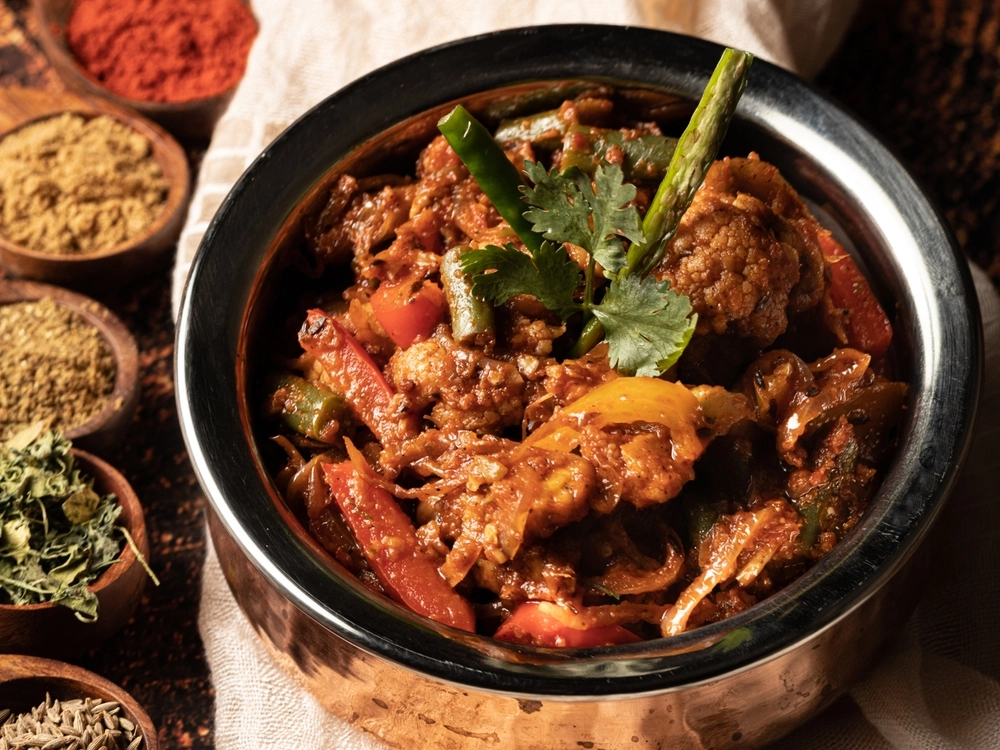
(412, 682)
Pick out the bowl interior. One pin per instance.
(245, 272)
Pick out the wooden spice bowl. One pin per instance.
(189, 121)
(25, 680)
(108, 427)
(53, 630)
(111, 268)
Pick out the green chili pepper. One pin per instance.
(491, 168)
(812, 506)
(471, 317)
(307, 408)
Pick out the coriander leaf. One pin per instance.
(646, 324)
(548, 274)
(566, 208)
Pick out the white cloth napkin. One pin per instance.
(938, 688)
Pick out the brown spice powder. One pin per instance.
(72, 184)
(54, 365)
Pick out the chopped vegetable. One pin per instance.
(529, 624)
(868, 327)
(307, 408)
(351, 370)
(543, 129)
(389, 543)
(494, 173)
(623, 401)
(408, 311)
(471, 317)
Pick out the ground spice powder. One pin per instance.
(54, 366)
(162, 50)
(71, 184)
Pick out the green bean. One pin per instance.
(590, 337)
(491, 168)
(544, 130)
(471, 317)
(809, 532)
(306, 408)
(647, 157)
(695, 152)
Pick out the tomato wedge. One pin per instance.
(409, 311)
(528, 624)
(352, 371)
(388, 541)
(868, 328)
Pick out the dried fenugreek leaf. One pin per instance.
(57, 535)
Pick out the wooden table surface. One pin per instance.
(924, 75)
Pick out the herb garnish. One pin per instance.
(57, 535)
(646, 324)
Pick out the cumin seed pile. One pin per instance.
(54, 367)
(88, 724)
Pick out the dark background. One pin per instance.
(923, 74)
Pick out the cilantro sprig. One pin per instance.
(646, 324)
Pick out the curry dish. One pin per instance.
(463, 454)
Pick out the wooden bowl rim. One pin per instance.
(119, 339)
(169, 155)
(108, 479)
(17, 667)
(56, 49)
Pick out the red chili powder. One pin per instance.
(162, 50)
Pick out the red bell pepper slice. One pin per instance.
(409, 311)
(528, 624)
(353, 372)
(388, 541)
(868, 328)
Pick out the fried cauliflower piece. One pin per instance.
(746, 252)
